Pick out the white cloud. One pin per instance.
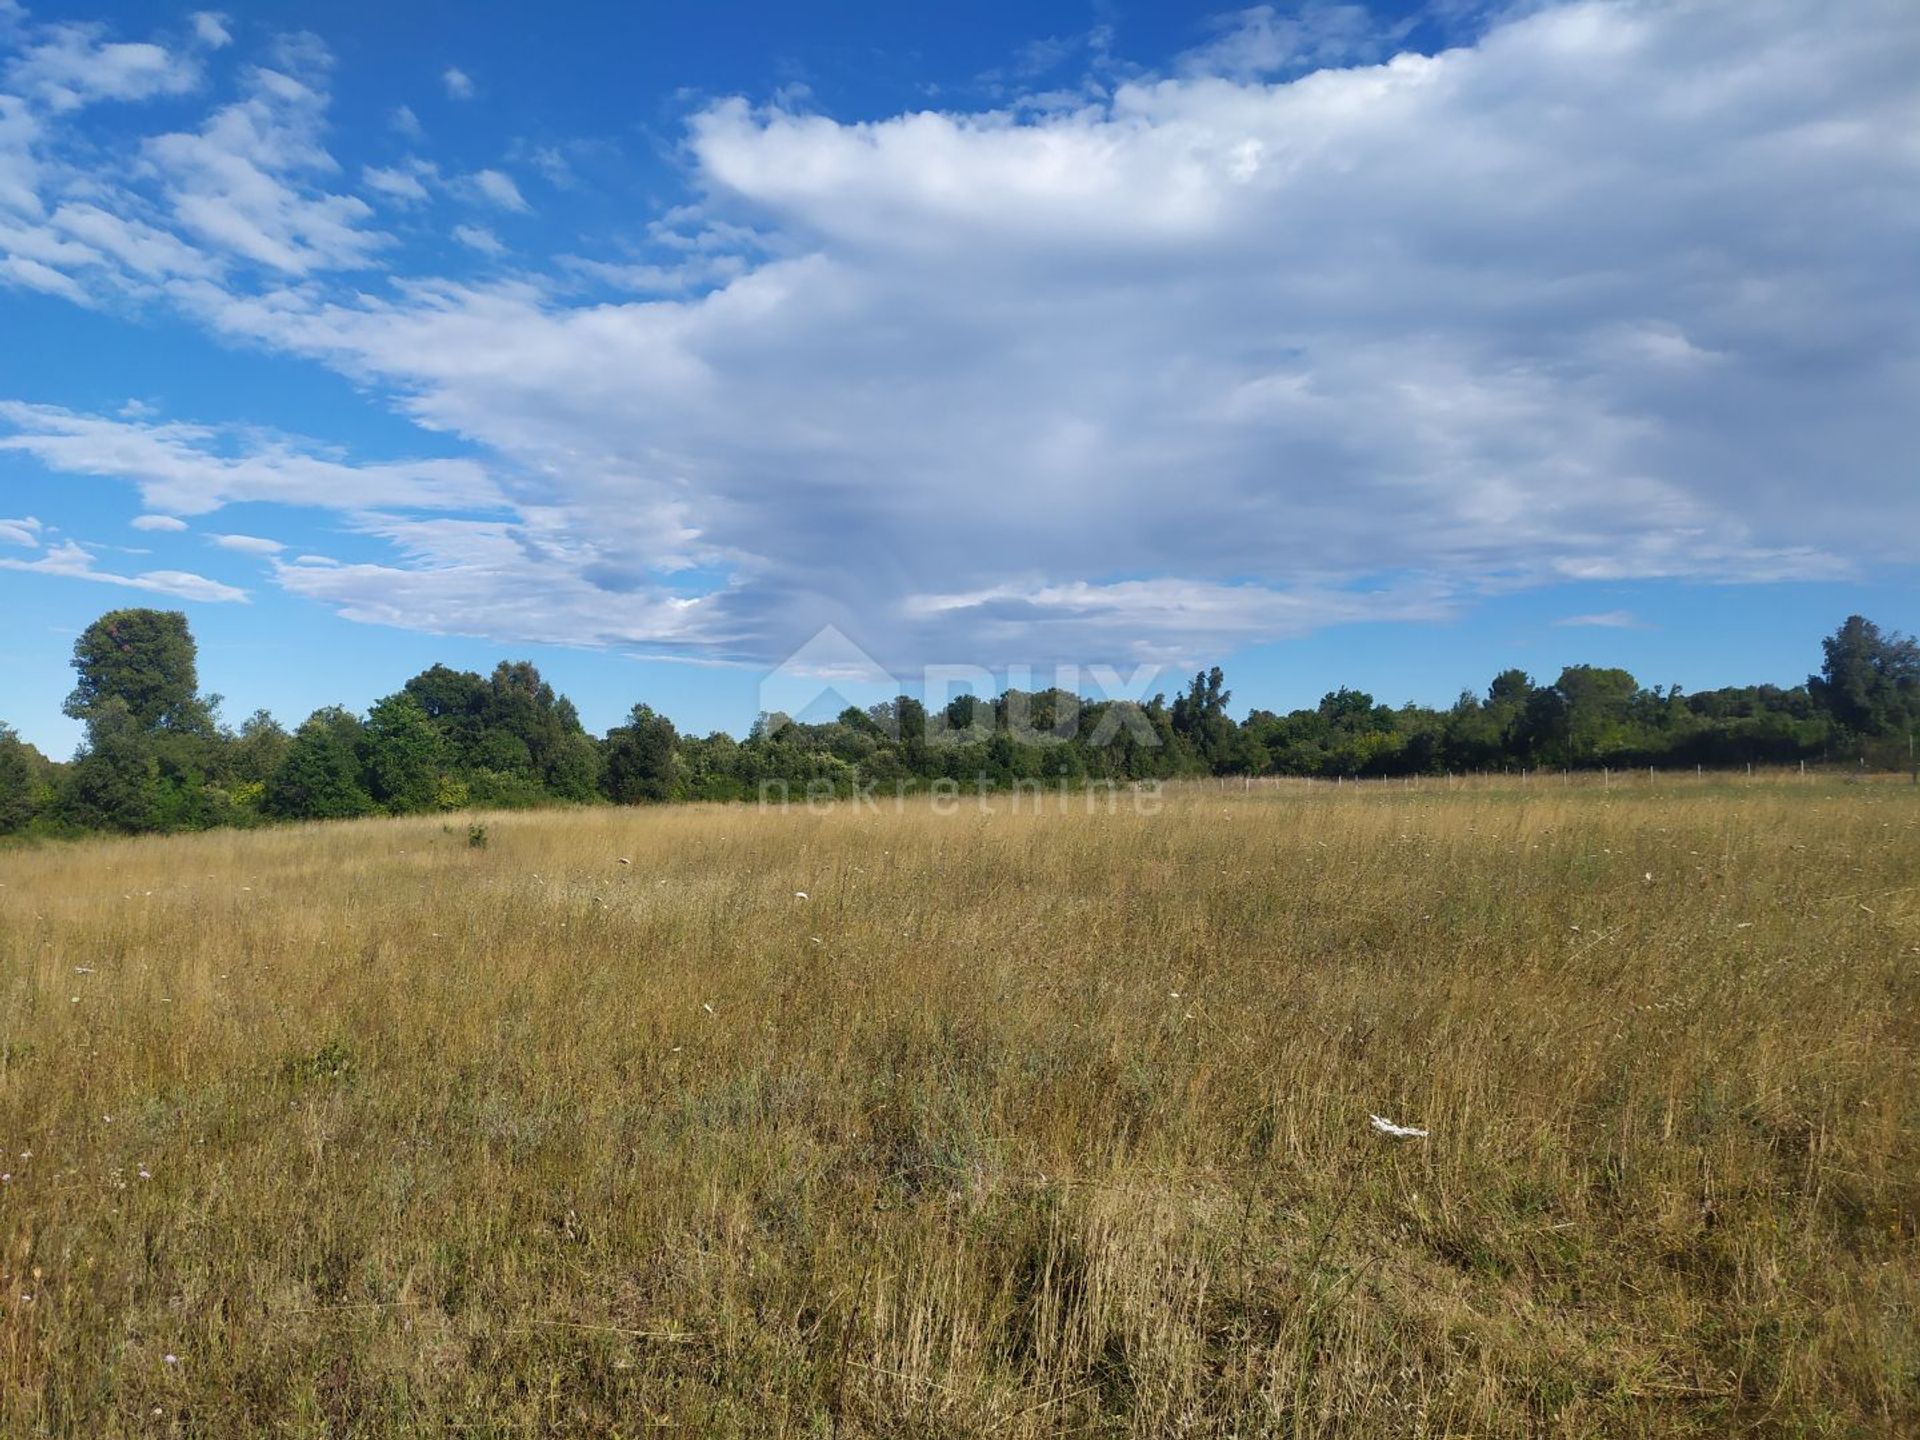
(166, 523)
(528, 579)
(1603, 620)
(19, 169)
(458, 83)
(195, 469)
(71, 65)
(1209, 357)
(32, 274)
(406, 122)
(210, 29)
(242, 183)
(497, 188)
(402, 183)
(248, 544)
(478, 237)
(24, 530)
(1262, 41)
(145, 250)
(72, 562)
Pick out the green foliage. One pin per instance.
(143, 658)
(321, 778)
(450, 739)
(22, 782)
(259, 749)
(1869, 681)
(401, 755)
(111, 784)
(640, 758)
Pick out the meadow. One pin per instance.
(1017, 1124)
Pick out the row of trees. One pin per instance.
(157, 758)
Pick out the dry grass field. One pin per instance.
(1016, 1125)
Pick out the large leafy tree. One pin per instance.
(1598, 700)
(259, 748)
(21, 769)
(320, 778)
(146, 659)
(1869, 680)
(111, 783)
(640, 758)
(401, 755)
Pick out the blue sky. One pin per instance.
(1378, 345)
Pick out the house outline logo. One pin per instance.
(816, 670)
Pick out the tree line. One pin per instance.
(157, 757)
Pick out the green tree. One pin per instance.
(640, 758)
(111, 783)
(1597, 701)
(401, 755)
(21, 767)
(1869, 681)
(146, 660)
(259, 748)
(320, 778)
(1200, 716)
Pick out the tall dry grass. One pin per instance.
(1020, 1125)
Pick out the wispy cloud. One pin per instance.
(194, 469)
(497, 188)
(459, 85)
(210, 29)
(161, 523)
(1603, 620)
(478, 237)
(248, 544)
(405, 183)
(70, 561)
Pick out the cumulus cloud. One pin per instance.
(1281, 338)
(459, 84)
(71, 65)
(73, 562)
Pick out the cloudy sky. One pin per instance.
(1383, 344)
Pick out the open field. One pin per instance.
(1017, 1125)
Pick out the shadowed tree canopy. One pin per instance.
(110, 786)
(21, 775)
(146, 660)
(640, 758)
(1870, 680)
